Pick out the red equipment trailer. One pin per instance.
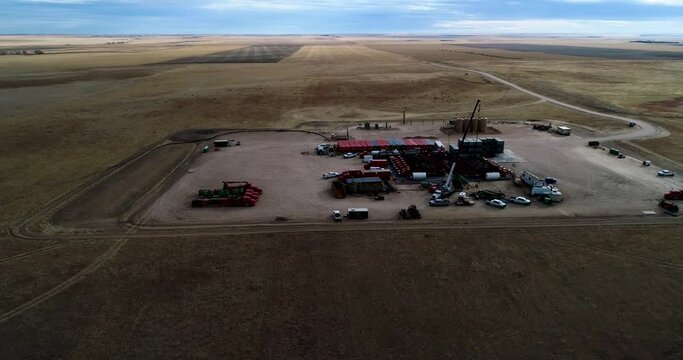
(674, 195)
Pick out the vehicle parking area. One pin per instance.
(285, 166)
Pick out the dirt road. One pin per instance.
(643, 129)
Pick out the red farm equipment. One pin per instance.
(233, 193)
(674, 195)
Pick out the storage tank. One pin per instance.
(483, 123)
(492, 176)
(459, 125)
(419, 176)
(473, 126)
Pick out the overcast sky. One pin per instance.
(587, 17)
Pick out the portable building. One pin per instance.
(358, 213)
(563, 130)
(221, 143)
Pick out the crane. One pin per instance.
(468, 126)
(448, 187)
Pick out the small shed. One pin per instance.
(564, 130)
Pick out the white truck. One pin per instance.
(324, 149)
(550, 192)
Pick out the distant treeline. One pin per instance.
(655, 42)
(22, 52)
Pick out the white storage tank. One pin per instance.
(459, 125)
(483, 123)
(474, 125)
(492, 176)
(419, 176)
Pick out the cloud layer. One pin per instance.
(618, 17)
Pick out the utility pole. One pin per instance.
(404, 116)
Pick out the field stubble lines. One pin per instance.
(601, 251)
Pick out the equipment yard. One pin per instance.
(285, 166)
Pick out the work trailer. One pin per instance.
(357, 213)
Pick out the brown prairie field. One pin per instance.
(368, 294)
(93, 132)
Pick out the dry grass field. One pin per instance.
(538, 291)
(613, 293)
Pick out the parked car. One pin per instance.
(520, 200)
(336, 215)
(350, 155)
(496, 203)
(330, 175)
(665, 173)
(439, 202)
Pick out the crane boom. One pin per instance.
(448, 185)
(468, 126)
(449, 181)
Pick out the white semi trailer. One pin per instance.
(532, 180)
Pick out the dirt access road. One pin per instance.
(645, 129)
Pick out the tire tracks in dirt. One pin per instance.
(38, 251)
(108, 254)
(99, 261)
